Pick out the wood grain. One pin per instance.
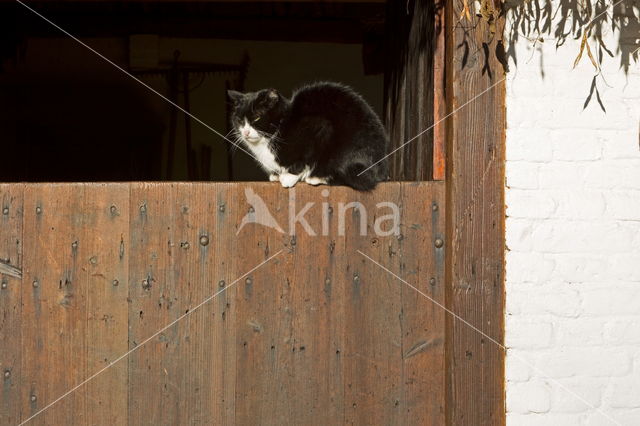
(409, 89)
(54, 298)
(106, 227)
(439, 95)
(475, 224)
(11, 209)
(318, 335)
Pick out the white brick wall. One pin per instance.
(573, 238)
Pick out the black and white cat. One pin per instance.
(326, 134)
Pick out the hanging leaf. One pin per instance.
(582, 44)
(591, 90)
(593, 61)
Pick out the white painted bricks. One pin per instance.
(573, 238)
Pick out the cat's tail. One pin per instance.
(359, 177)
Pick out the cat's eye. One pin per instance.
(255, 120)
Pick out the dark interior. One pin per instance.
(66, 114)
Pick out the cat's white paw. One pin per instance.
(314, 180)
(274, 177)
(288, 180)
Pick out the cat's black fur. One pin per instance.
(325, 126)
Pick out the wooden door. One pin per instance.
(152, 303)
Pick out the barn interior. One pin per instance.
(67, 114)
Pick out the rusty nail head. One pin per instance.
(434, 207)
(7, 373)
(3, 285)
(113, 209)
(204, 240)
(327, 281)
(400, 237)
(74, 244)
(251, 210)
(249, 281)
(33, 398)
(38, 210)
(36, 284)
(115, 283)
(432, 281)
(439, 242)
(5, 211)
(356, 278)
(221, 283)
(221, 207)
(143, 208)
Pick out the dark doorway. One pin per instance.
(68, 115)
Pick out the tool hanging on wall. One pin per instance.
(177, 75)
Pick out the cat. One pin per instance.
(326, 134)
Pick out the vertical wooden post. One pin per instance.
(439, 100)
(475, 217)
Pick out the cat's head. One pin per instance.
(256, 114)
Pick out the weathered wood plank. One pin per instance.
(409, 89)
(11, 208)
(54, 297)
(153, 297)
(265, 342)
(420, 262)
(475, 227)
(373, 347)
(439, 95)
(106, 239)
(319, 336)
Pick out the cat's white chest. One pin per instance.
(265, 156)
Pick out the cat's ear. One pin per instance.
(272, 97)
(236, 97)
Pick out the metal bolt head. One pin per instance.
(185, 245)
(221, 207)
(5, 211)
(434, 207)
(7, 374)
(432, 281)
(251, 210)
(204, 240)
(38, 210)
(36, 284)
(113, 209)
(438, 242)
(221, 283)
(3, 285)
(33, 398)
(327, 281)
(74, 245)
(115, 283)
(143, 208)
(356, 278)
(248, 281)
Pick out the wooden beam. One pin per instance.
(475, 219)
(439, 99)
